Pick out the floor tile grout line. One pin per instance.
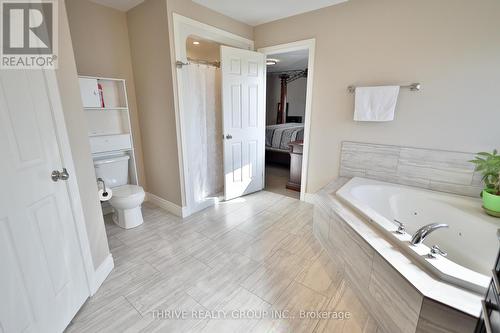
(276, 296)
(251, 292)
(132, 305)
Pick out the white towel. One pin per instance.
(375, 103)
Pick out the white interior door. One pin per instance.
(42, 279)
(243, 109)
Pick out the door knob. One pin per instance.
(229, 136)
(60, 175)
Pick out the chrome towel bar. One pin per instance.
(412, 87)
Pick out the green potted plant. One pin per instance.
(489, 166)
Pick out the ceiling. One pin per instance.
(255, 12)
(252, 12)
(204, 50)
(122, 5)
(289, 61)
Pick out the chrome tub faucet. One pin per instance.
(425, 231)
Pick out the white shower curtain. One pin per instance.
(203, 128)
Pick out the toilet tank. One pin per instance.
(112, 169)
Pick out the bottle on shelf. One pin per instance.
(101, 95)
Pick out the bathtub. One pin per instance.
(470, 241)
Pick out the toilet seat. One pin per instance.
(128, 191)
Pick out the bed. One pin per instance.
(278, 138)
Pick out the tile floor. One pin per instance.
(256, 253)
(276, 179)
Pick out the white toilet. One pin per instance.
(126, 199)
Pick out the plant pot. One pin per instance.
(491, 203)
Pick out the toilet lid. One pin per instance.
(127, 191)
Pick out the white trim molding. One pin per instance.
(307, 44)
(101, 273)
(208, 32)
(167, 205)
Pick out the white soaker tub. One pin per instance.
(470, 241)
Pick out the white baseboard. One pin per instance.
(101, 273)
(167, 205)
(208, 202)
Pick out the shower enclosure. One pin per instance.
(203, 120)
(220, 114)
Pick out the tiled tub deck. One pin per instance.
(401, 296)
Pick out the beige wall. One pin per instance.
(450, 46)
(150, 26)
(101, 48)
(149, 42)
(84, 169)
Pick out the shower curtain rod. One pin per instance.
(191, 61)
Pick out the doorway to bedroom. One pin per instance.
(286, 96)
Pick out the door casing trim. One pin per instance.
(310, 45)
